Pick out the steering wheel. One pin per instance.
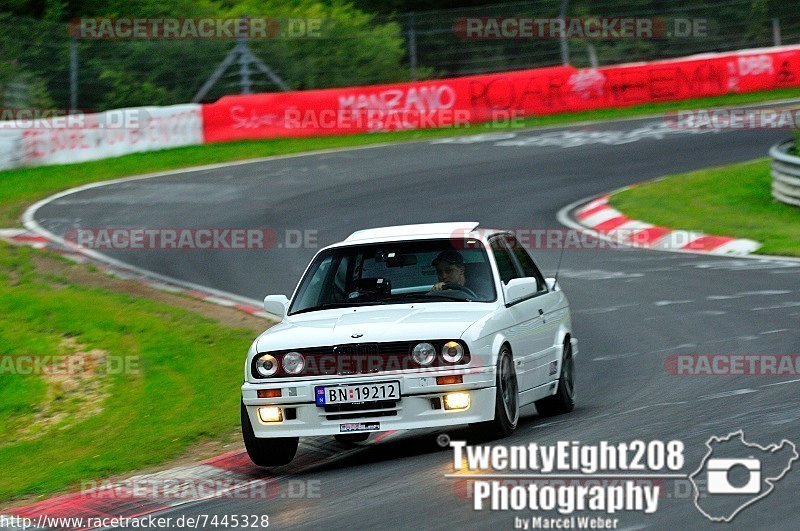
(459, 287)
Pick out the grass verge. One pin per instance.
(21, 187)
(132, 382)
(729, 200)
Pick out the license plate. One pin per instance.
(348, 427)
(356, 393)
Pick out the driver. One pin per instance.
(450, 269)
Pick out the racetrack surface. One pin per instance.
(631, 308)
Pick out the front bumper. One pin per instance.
(415, 409)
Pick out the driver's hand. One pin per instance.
(438, 286)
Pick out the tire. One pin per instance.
(506, 408)
(564, 399)
(350, 438)
(274, 451)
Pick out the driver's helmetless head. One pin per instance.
(450, 267)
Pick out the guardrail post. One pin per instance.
(73, 74)
(776, 31)
(412, 46)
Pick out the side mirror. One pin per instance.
(520, 288)
(552, 285)
(276, 305)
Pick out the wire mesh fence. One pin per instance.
(44, 64)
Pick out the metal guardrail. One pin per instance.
(785, 173)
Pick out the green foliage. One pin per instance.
(126, 91)
(353, 47)
(183, 387)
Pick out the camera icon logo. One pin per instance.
(735, 474)
(719, 472)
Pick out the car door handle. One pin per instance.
(541, 312)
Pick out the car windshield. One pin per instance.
(397, 272)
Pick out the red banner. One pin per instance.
(501, 97)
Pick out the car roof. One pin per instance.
(421, 231)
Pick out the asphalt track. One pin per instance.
(631, 308)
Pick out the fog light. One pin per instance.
(270, 414)
(456, 401)
(449, 380)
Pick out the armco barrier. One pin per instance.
(475, 99)
(100, 136)
(785, 174)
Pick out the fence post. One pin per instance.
(73, 74)
(562, 14)
(245, 84)
(412, 46)
(592, 51)
(776, 31)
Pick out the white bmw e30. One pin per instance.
(413, 326)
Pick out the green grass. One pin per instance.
(730, 200)
(21, 187)
(186, 388)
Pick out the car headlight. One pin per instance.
(423, 353)
(452, 352)
(266, 365)
(294, 363)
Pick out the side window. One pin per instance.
(505, 263)
(525, 261)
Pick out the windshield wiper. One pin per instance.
(446, 297)
(333, 305)
(427, 296)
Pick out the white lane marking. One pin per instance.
(782, 383)
(668, 303)
(493, 137)
(616, 356)
(776, 331)
(726, 394)
(642, 408)
(597, 274)
(608, 309)
(765, 292)
(631, 354)
(712, 312)
(729, 339)
(787, 304)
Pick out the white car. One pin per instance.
(413, 326)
